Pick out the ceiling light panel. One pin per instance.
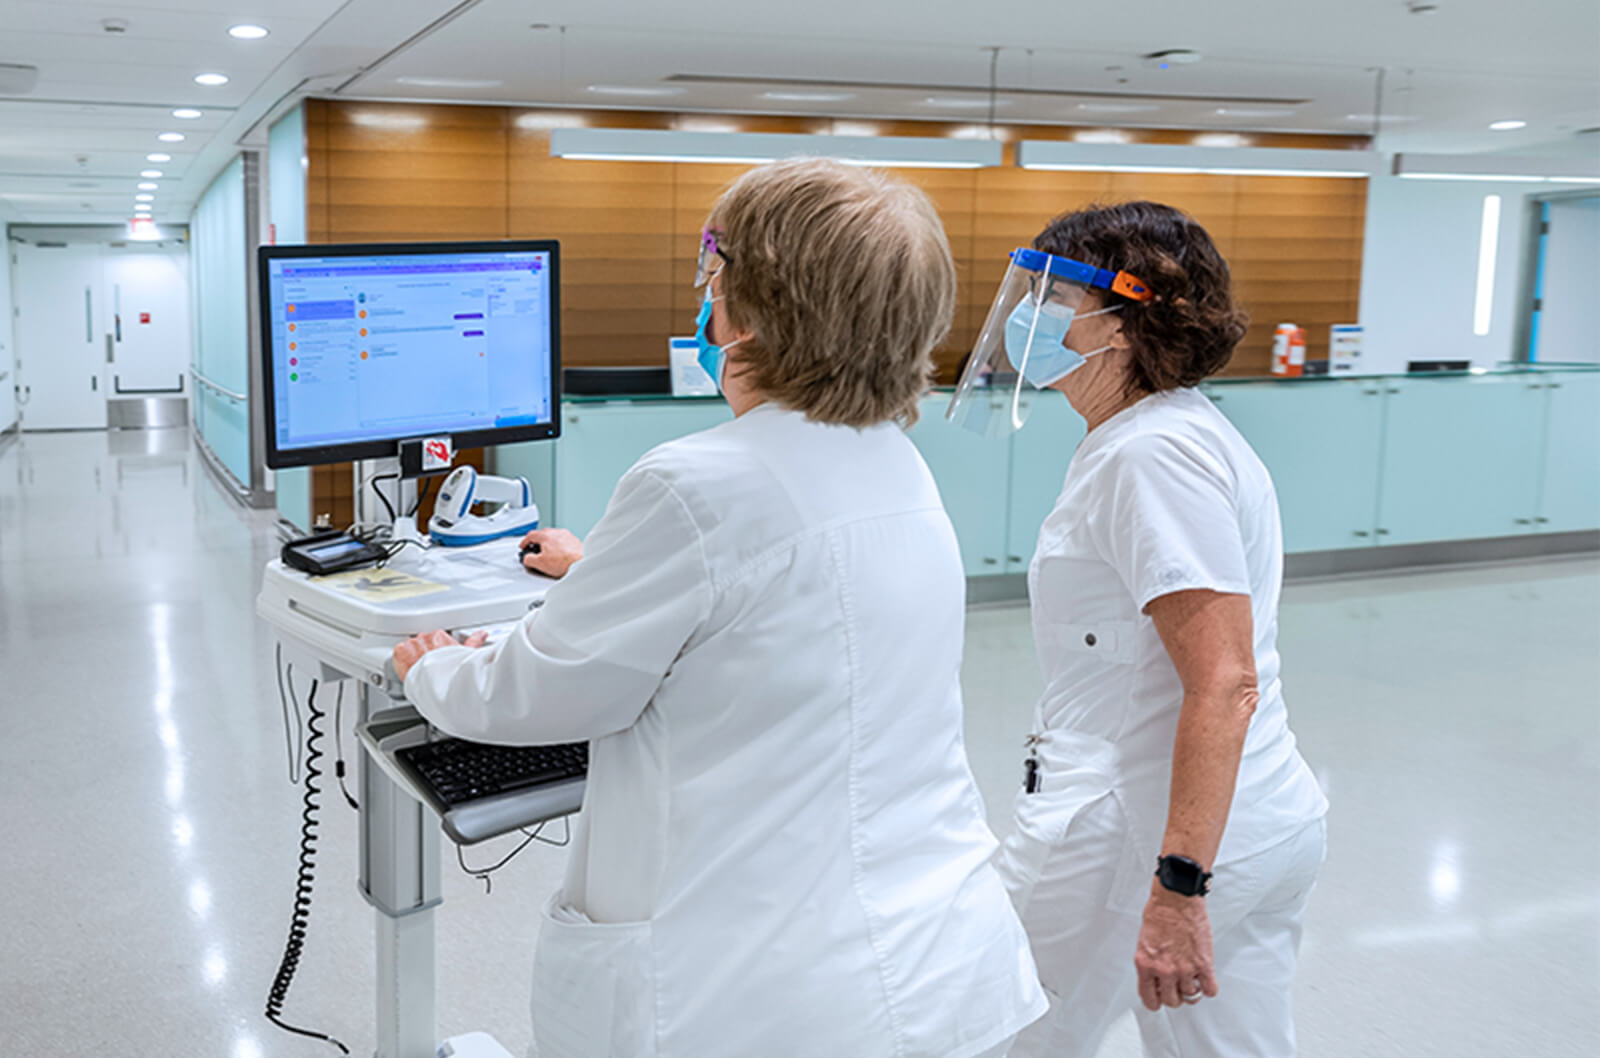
(1176, 158)
(756, 147)
(211, 80)
(247, 31)
(640, 91)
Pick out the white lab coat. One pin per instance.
(1164, 497)
(782, 851)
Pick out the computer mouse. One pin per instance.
(524, 551)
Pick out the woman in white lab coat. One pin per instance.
(1161, 743)
(782, 851)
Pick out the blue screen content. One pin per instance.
(407, 345)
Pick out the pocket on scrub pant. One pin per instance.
(593, 987)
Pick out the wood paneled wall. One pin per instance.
(381, 172)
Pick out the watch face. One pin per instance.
(1181, 875)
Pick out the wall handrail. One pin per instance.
(237, 398)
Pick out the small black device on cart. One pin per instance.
(333, 551)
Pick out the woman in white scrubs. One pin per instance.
(782, 851)
(1161, 742)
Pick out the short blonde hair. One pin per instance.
(844, 279)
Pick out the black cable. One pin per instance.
(422, 494)
(399, 546)
(290, 737)
(302, 890)
(338, 747)
(536, 834)
(386, 504)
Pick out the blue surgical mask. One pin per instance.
(713, 358)
(1044, 358)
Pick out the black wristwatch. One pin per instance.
(1183, 876)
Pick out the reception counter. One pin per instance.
(1374, 462)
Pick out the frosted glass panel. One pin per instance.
(286, 179)
(1322, 444)
(294, 496)
(222, 340)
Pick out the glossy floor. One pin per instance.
(151, 833)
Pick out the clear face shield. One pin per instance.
(1023, 340)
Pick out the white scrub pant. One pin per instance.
(1083, 931)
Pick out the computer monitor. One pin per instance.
(368, 346)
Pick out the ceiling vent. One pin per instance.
(17, 79)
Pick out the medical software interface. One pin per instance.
(406, 345)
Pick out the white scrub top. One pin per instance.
(782, 850)
(1165, 496)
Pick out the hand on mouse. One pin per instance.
(551, 551)
(408, 653)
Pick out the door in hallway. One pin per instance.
(61, 336)
(147, 288)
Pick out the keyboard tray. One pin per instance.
(473, 821)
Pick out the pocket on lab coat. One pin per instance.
(593, 986)
(1080, 833)
(1041, 825)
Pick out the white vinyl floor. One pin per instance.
(1454, 718)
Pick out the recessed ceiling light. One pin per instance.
(171, 137)
(186, 113)
(1118, 108)
(150, 174)
(144, 198)
(634, 90)
(211, 80)
(1254, 112)
(247, 32)
(447, 82)
(1386, 119)
(141, 210)
(158, 157)
(1170, 57)
(1101, 136)
(1507, 126)
(147, 186)
(964, 102)
(808, 97)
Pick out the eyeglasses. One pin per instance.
(707, 265)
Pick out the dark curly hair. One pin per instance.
(1188, 330)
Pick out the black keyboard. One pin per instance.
(458, 771)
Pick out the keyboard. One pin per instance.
(458, 771)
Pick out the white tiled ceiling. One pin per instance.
(71, 149)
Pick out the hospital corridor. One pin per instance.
(745, 530)
(153, 830)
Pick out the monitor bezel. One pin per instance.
(344, 452)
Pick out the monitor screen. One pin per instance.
(367, 346)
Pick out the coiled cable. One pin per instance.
(307, 873)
